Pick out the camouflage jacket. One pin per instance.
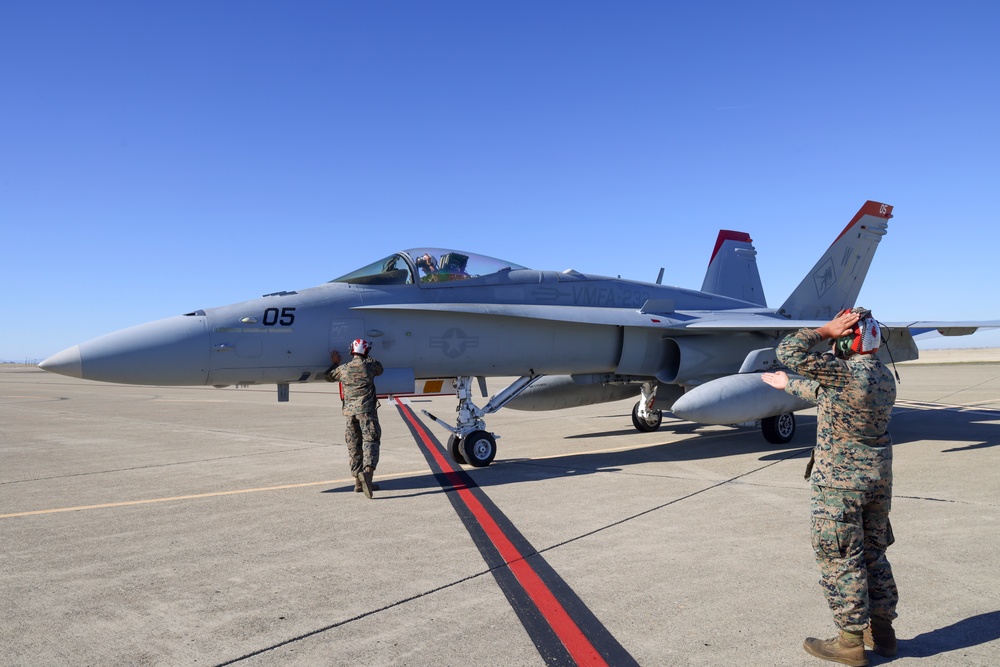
(854, 399)
(357, 377)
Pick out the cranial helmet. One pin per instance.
(864, 338)
(360, 346)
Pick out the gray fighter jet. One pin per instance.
(441, 318)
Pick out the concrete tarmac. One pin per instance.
(200, 526)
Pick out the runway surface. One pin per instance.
(200, 526)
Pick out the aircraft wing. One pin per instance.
(650, 315)
(699, 321)
(694, 321)
(953, 328)
(577, 314)
(763, 322)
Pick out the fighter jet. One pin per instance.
(439, 319)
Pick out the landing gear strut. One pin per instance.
(644, 417)
(470, 442)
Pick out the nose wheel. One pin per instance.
(455, 449)
(479, 448)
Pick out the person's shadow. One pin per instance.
(968, 632)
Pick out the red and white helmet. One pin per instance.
(864, 338)
(360, 346)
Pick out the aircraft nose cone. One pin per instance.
(173, 351)
(66, 362)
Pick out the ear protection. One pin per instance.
(864, 338)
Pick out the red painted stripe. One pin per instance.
(579, 647)
(872, 208)
(728, 235)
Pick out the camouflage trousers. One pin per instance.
(363, 436)
(850, 533)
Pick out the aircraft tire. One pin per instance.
(455, 449)
(644, 425)
(479, 449)
(779, 429)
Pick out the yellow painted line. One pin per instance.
(216, 494)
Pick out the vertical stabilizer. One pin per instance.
(835, 282)
(732, 271)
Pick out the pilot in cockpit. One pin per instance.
(451, 267)
(426, 264)
(454, 265)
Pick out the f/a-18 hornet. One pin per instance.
(442, 317)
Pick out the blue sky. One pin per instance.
(156, 158)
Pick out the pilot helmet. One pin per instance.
(360, 346)
(864, 338)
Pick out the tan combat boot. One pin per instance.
(846, 648)
(881, 638)
(366, 480)
(358, 486)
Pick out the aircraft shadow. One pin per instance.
(908, 425)
(970, 426)
(741, 439)
(952, 425)
(705, 445)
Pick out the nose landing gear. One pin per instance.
(470, 443)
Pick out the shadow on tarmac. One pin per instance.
(909, 425)
(707, 445)
(966, 633)
(960, 425)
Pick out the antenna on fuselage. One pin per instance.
(659, 278)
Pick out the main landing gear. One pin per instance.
(778, 429)
(470, 442)
(644, 417)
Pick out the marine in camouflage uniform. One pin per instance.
(851, 476)
(363, 433)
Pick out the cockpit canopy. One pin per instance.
(426, 266)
